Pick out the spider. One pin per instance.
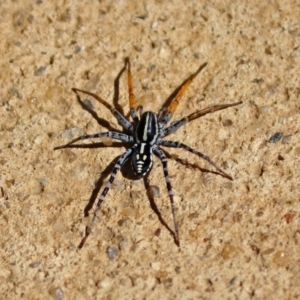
(146, 135)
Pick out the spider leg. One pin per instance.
(114, 135)
(164, 161)
(122, 120)
(166, 113)
(175, 144)
(177, 124)
(117, 167)
(133, 112)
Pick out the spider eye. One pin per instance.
(141, 160)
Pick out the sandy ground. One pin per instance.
(239, 239)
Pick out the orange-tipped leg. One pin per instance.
(169, 111)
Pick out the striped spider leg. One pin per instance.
(177, 124)
(164, 116)
(175, 144)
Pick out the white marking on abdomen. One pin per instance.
(142, 147)
(145, 128)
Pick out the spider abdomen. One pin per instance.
(141, 160)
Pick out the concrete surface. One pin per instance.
(239, 239)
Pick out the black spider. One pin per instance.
(146, 137)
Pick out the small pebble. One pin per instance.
(70, 155)
(156, 265)
(40, 71)
(286, 139)
(10, 183)
(228, 252)
(227, 122)
(79, 171)
(57, 293)
(154, 191)
(276, 137)
(72, 133)
(34, 264)
(112, 252)
(157, 232)
(123, 243)
(281, 257)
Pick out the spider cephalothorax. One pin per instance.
(146, 137)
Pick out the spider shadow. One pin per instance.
(91, 146)
(117, 89)
(156, 210)
(102, 122)
(189, 165)
(89, 108)
(104, 174)
(99, 183)
(126, 172)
